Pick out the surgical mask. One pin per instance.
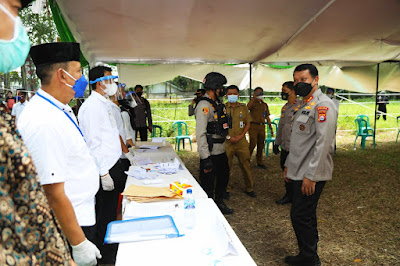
(110, 89)
(233, 98)
(284, 95)
(80, 85)
(303, 89)
(139, 94)
(13, 52)
(330, 96)
(260, 97)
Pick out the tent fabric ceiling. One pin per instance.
(330, 32)
(358, 79)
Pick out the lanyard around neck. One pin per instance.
(38, 94)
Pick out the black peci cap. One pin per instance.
(58, 52)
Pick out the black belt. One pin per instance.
(257, 123)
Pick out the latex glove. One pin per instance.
(131, 158)
(107, 183)
(85, 253)
(276, 149)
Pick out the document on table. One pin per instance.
(141, 229)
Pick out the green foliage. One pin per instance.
(185, 83)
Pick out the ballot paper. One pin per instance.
(141, 173)
(150, 145)
(169, 167)
(141, 229)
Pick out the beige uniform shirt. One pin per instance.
(259, 112)
(240, 118)
(285, 125)
(312, 139)
(204, 113)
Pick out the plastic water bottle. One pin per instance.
(189, 209)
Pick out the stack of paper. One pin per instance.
(140, 173)
(149, 194)
(168, 168)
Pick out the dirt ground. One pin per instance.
(358, 212)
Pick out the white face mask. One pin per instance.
(110, 89)
(260, 97)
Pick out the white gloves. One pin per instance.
(85, 253)
(107, 183)
(131, 158)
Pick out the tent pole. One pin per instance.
(376, 98)
(250, 64)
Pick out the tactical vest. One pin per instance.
(221, 126)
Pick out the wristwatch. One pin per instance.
(228, 137)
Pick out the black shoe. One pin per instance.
(251, 194)
(227, 195)
(284, 200)
(300, 260)
(261, 166)
(224, 209)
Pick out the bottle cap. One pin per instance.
(189, 191)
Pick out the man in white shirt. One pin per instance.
(20, 105)
(66, 170)
(103, 138)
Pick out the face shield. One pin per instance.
(131, 99)
(108, 85)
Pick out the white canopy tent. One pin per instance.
(345, 39)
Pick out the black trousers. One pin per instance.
(106, 211)
(217, 179)
(382, 108)
(288, 185)
(143, 133)
(304, 217)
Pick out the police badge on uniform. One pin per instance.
(322, 110)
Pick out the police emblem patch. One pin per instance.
(302, 127)
(322, 113)
(205, 110)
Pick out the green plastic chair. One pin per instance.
(363, 130)
(269, 139)
(276, 120)
(398, 126)
(155, 129)
(179, 136)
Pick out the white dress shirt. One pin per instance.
(116, 112)
(60, 153)
(100, 130)
(129, 132)
(17, 109)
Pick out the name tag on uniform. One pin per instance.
(241, 124)
(302, 118)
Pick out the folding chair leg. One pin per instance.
(183, 143)
(190, 141)
(354, 146)
(397, 135)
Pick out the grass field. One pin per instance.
(164, 113)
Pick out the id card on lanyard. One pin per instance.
(38, 94)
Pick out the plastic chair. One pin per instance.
(398, 126)
(363, 130)
(179, 135)
(270, 139)
(155, 129)
(276, 120)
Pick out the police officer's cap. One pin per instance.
(214, 80)
(51, 53)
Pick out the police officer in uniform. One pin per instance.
(260, 113)
(236, 144)
(211, 130)
(309, 164)
(284, 131)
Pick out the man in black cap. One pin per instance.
(211, 130)
(199, 93)
(67, 171)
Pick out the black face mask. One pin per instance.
(221, 92)
(139, 94)
(284, 95)
(303, 89)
